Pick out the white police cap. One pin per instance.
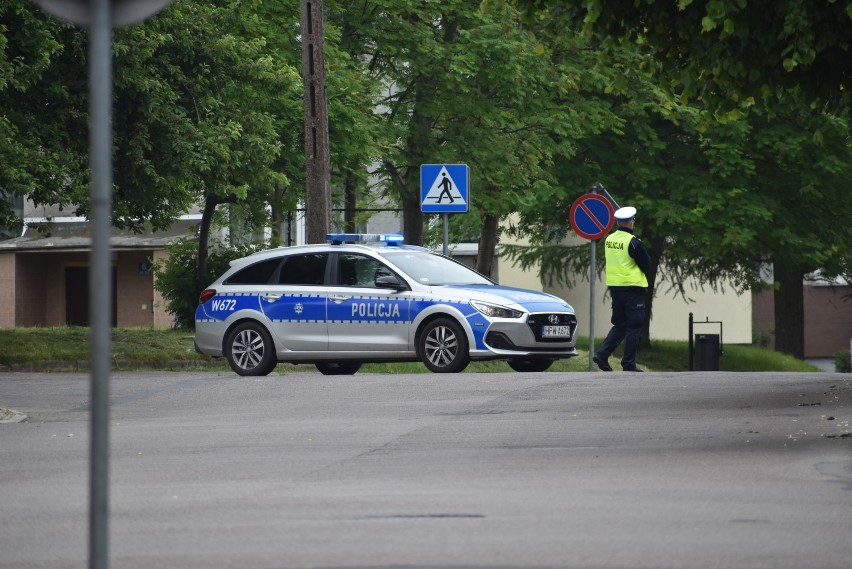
(625, 213)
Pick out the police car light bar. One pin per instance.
(389, 238)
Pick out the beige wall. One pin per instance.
(512, 275)
(670, 319)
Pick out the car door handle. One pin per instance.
(336, 298)
(272, 297)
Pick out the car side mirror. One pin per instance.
(389, 281)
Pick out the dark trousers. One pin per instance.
(628, 314)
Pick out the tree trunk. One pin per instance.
(412, 219)
(417, 147)
(420, 142)
(655, 246)
(789, 310)
(210, 203)
(487, 244)
(277, 221)
(350, 203)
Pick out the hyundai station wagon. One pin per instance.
(371, 298)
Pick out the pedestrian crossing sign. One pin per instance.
(444, 188)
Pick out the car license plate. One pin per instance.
(555, 332)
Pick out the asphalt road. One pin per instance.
(576, 470)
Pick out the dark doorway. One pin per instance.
(77, 296)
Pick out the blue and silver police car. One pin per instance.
(370, 298)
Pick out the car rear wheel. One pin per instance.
(250, 350)
(338, 368)
(443, 346)
(530, 365)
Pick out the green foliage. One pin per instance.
(175, 277)
(762, 338)
(731, 52)
(42, 119)
(201, 101)
(470, 83)
(714, 198)
(843, 361)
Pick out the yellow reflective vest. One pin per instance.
(621, 269)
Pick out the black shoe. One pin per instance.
(602, 363)
(633, 369)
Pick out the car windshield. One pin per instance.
(435, 270)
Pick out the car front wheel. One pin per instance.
(530, 365)
(443, 346)
(338, 368)
(250, 350)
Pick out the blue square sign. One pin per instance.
(444, 188)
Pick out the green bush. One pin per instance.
(842, 362)
(762, 338)
(175, 276)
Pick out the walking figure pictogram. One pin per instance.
(446, 186)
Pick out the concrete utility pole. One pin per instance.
(317, 163)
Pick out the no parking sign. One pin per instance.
(591, 216)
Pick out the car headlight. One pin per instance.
(495, 310)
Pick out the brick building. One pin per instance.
(44, 274)
(828, 318)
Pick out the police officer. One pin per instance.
(627, 263)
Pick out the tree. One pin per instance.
(42, 132)
(221, 86)
(356, 135)
(803, 170)
(197, 117)
(465, 83)
(655, 157)
(715, 201)
(770, 60)
(733, 52)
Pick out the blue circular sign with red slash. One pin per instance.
(591, 216)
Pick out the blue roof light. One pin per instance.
(389, 238)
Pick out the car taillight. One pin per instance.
(206, 295)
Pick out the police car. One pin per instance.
(341, 304)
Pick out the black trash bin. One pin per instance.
(707, 352)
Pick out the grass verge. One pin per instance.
(66, 348)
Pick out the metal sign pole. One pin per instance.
(100, 16)
(446, 217)
(100, 293)
(592, 217)
(592, 306)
